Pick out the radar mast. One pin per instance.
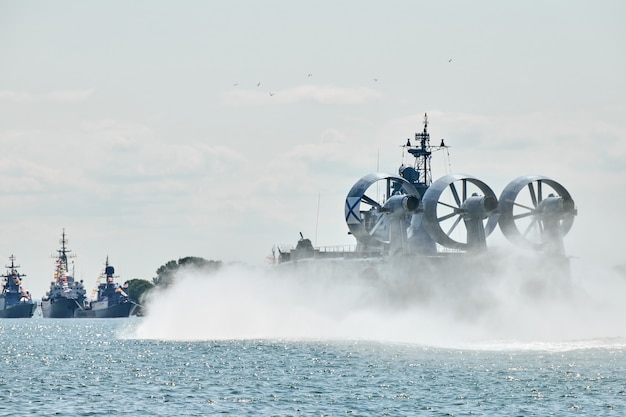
(419, 174)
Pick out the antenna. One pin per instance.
(317, 219)
(422, 151)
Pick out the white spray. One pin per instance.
(354, 300)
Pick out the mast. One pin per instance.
(13, 268)
(64, 254)
(12, 279)
(422, 154)
(419, 174)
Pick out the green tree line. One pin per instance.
(166, 275)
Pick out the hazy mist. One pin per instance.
(349, 300)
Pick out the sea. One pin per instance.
(248, 343)
(96, 367)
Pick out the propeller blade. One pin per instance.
(446, 217)
(456, 209)
(464, 190)
(370, 201)
(530, 226)
(523, 206)
(379, 222)
(456, 222)
(533, 197)
(521, 216)
(455, 194)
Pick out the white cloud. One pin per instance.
(70, 96)
(303, 93)
(59, 96)
(16, 96)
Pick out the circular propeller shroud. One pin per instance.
(434, 206)
(517, 208)
(367, 225)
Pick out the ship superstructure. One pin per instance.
(15, 300)
(66, 296)
(419, 217)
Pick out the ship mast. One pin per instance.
(64, 254)
(13, 268)
(419, 174)
(422, 154)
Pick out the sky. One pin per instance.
(154, 130)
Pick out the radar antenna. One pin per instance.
(63, 254)
(419, 174)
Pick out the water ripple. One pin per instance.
(82, 368)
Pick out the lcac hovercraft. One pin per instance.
(432, 222)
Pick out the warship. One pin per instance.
(66, 296)
(439, 229)
(109, 299)
(15, 301)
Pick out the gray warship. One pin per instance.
(15, 301)
(109, 299)
(66, 296)
(439, 229)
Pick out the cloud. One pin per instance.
(303, 93)
(70, 96)
(60, 96)
(15, 96)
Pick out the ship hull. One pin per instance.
(63, 308)
(118, 310)
(100, 311)
(18, 311)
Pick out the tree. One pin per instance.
(166, 274)
(137, 289)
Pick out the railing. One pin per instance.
(337, 248)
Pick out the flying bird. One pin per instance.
(236, 84)
(258, 84)
(450, 60)
(309, 75)
(375, 80)
(271, 94)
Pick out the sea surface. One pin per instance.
(97, 367)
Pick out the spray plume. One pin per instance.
(399, 302)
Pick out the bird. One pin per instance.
(375, 80)
(259, 83)
(236, 84)
(443, 145)
(450, 60)
(271, 94)
(309, 75)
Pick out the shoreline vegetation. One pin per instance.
(166, 274)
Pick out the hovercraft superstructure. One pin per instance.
(417, 216)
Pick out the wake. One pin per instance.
(352, 301)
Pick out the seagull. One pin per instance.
(309, 75)
(258, 84)
(450, 60)
(375, 80)
(271, 94)
(236, 84)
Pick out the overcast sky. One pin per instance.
(154, 130)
